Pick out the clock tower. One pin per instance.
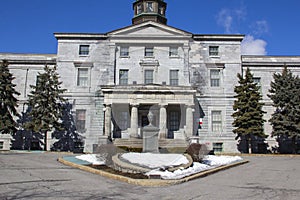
(149, 10)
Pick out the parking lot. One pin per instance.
(40, 176)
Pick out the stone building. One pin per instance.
(114, 79)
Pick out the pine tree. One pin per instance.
(8, 101)
(248, 115)
(284, 93)
(46, 104)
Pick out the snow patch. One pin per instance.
(92, 158)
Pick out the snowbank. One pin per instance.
(209, 163)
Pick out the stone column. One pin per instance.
(107, 123)
(163, 121)
(134, 121)
(189, 120)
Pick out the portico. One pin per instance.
(126, 109)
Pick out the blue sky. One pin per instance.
(272, 26)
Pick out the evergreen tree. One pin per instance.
(46, 104)
(284, 93)
(248, 115)
(8, 101)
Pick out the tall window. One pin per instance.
(149, 52)
(139, 9)
(150, 7)
(84, 50)
(257, 80)
(174, 80)
(216, 121)
(124, 51)
(80, 120)
(215, 78)
(148, 76)
(173, 52)
(123, 77)
(83, 77)
(213, 51)
(1, 145)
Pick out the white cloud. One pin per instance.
(260, 27)
(252, 46)
(224, 18)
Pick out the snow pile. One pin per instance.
(154, 161)
(92, 158)
(220, 160)
(209, 163)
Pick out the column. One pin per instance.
(107, 122)
(134, 121)
(189, 120)
(163, 121)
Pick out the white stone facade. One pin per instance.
(114, 79)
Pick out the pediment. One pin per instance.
(149, 29)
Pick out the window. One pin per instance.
(139, 9)
(83, 77)
(257, 80)
(123, 77)
(150, 7)
(148, 76)
(173, 52)
(216, 120)
(149, 52)
(218, 147)
(215, 78)
(84, 50)
(80, 120)
(161, 10)
(174, 77)
(213, 51)
(124, 51)
(1, 145)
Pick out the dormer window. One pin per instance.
(150, 7)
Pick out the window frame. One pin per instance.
(80, 124)
(1, 145)
(218, 146)
(214, 51)
(146, 79)
(215, 79)
(149, 52)
(83, 51)
(124, 51)
(173, 52)
(174, 81)
(80, 77)
(123, 80)
(216, 123)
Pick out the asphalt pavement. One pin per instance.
(41, 176)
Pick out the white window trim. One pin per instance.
(83, 66)
(121, 56)
(223, 114)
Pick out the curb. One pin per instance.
(150, 182)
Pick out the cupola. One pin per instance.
(149, 10)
